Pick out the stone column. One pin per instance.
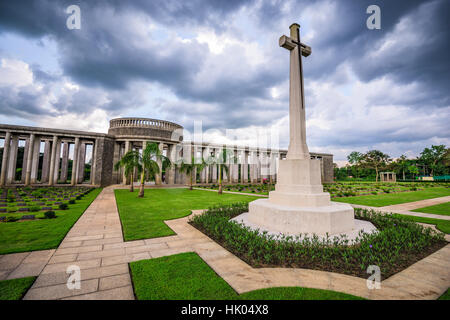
(94, 162)
(225, 175)
(57, 162)
(35, 161)
(81, 162)
(24, 160)
(206, 155)
(235, 164)
(172, 157)
(30, 154)
(214, 168)
(46, 162)
(116, 177)
(244, 167)
(125, 179)
(75, 162)
(53, 161)
(11, 178)
(252, 162)
(158, 176)
(5, 159)
(65, 162)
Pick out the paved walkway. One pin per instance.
(96, 245)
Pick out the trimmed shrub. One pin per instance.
(49, 214)
(63, 206)
(35, 208)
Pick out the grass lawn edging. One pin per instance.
(441, 225)
(143, 218)
(440, 209)
(15, 289)
(398, 244)
(388, 199)
(186, 276)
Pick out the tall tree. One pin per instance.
(355, 157)
(402, 163)
(413, 170)
(189, 167)
(221, 161)
(149, 163)
(375, 159)
(129, 162)
(432, 156)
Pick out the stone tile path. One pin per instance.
(24, 264)
(416, 204)
(96, 245)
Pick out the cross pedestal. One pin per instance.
(298, 204)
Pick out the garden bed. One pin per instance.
(398, 244)
(22, 204)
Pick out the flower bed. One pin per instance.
(398, 244)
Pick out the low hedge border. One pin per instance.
(398, 244)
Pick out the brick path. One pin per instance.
(96, 245)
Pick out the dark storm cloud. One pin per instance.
(342, 37)
(110, 55)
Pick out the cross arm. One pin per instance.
(290, 44)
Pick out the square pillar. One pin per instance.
(35, 160)
(24, 160)
(11, 177)
(244, 167)
(65, 161)
(46, 162)
(29, 160)
(73, 180)
(172, 157)
(5, 158)
(51, 179)
(81, 162)
(158, 176)
(125, 179)
(57, 162)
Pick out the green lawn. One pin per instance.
(388, 199)
(442, 209)
(15, 289)
(143, 218)
(442, 225)
(41, 234)
(445, 296)
(186, 276)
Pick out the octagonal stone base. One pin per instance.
(336, 218)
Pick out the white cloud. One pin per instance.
(15, 73)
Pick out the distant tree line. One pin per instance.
(434, 161)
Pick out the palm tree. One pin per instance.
(221, 161)
(189, 167)
(149, 165)
(129, 162)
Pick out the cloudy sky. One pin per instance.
(219, 62)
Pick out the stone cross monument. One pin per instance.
(297, 124)
(298, 204)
